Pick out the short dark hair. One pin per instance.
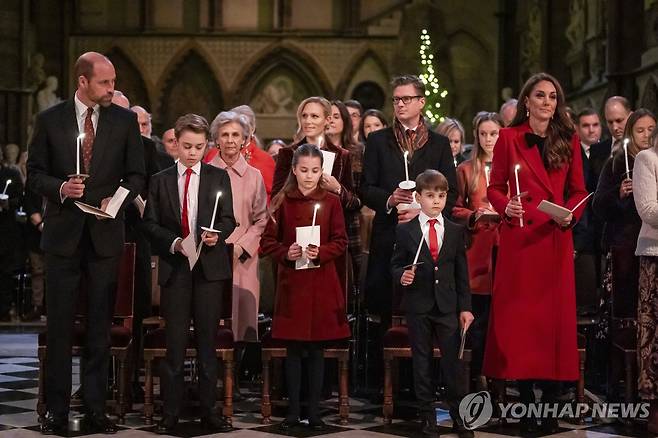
(354, 104)
(431, 179)
(588, 111)
(192, 122)
(419, 85)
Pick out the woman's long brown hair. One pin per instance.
(633, 148)
(557, 147)
(477, 153)
(305, 150)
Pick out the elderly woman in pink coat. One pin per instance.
(230, 131)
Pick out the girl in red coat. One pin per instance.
(532, 328)
(310, 305)
(474, 211)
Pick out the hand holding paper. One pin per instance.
(307, 237)
(109, 208)
(294, 252)
(560, 214)
(312, 251)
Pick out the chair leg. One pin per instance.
(41, 401)
(148, 390)
(388, 390)
(629, 362)
(121, 402)
(266, 403)
(580, 396)
(344, 404)
(228, 389)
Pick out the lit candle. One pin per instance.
(4, 192)
(486, 174)
(518, 188)
(214, 212)
(81, 138)
(628, 173)
(406, 166)
(315, 213)
(420, 245)
(454, 160)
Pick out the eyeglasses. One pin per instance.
(405, 99)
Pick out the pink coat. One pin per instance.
(250, 211)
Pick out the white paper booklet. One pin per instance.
(305, 236)
(328, 162)
(112, 208)
(557, 211)
(140, 203)
(191, 250)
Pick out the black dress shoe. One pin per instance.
(166, 425)
(215, 423)
(55, 425)
(549, 425)
(429, 427)
(99, 423)
(317, 424)
(461, 431)
(289, 423)
(529, 426)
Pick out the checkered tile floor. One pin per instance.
(18, 419)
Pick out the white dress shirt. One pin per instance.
(81, 114)
(438, 226)
(192, 198)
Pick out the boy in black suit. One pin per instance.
(437, 299)
(181, 200)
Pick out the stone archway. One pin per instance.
(129, 79)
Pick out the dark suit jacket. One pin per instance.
(383, 169)
(162, 220)
(444, 283)
(598, 155)
(118, 159)
(9, 228)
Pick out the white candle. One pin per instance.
(406, 166)
(315, 213)
(518, 188)
(486, 174)
(420, 245)
(81, 138)
(214, 212)
(454, 160)
(4, 192)
(628, 173)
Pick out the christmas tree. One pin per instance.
(434, 95)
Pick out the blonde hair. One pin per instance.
(326, 107)
(448, 125)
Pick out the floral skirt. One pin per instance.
(647, 323)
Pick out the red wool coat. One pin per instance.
(483, 234)
(309, 304)
(532, 326)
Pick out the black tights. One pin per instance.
(315, 365)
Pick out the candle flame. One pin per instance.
(8, 181)
(317, 207)
(517, 167)
(406, 153)
(219, 193)
(626, 140)
(81, 136)
(486, 168)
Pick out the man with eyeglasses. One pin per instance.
(383, 170)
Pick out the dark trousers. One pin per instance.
(63, 280)
(423, 329)
(188, 294)
(315, 362)
(478, 330)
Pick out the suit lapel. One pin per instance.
(447, 240)
(534, 162)
(70, 125)
(203, 213)
(103, 131)
(171, 182)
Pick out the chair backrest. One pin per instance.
(625, 280)
(125, 291)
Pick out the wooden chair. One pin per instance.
(623, 331)
(275, 349)
(120, 333)
(155, 347)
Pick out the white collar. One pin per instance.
(181, 168)
(423, 219)
(406, 128)
(81, 108)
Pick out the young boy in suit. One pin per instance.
(436, 296)
(181, 201)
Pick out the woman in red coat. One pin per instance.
(532, 329)
(310, 305)
(474, 212)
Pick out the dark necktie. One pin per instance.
(412, 136)
(88, 142)
(185, 221)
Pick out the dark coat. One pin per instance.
(118, 159)
(383, 169)
(162, 221)
(444, 283)
(310, 304)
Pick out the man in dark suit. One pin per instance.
(383, 170)
(436, 296)
(76, 243)
(181, 201)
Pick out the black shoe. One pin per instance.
(215, 423)
(99, 423)
(428, 426)
(166, 425)
(529, 426)
(461, 431)
(55, 425)
(317, 424)
(289, 423)
(549, 425)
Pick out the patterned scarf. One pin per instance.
(413, 142)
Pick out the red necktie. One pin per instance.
(185, 222)
(434, 240)
(88, 141)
